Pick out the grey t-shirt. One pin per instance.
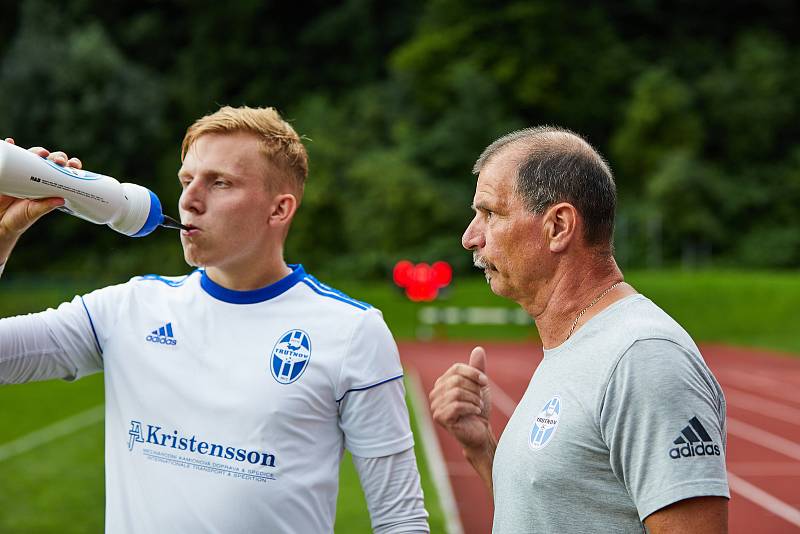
(619, 421)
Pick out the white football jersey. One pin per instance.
(228, 411)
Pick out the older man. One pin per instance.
(623, 425)
(231, 392)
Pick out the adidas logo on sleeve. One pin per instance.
(163, 335)
(694, 441)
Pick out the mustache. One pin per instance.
(480, 262)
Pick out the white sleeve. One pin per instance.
(372, 409)
(371, 358)
(394, 496)
(2, 266)
(52, 344)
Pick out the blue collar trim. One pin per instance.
(256, 295)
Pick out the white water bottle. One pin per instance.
(127, 208)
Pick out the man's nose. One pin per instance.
(473, 236)
(192, 197)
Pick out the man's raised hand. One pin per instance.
(461, 401)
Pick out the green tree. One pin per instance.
(66, 86)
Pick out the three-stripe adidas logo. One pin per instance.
(694, 441)
(163, 335)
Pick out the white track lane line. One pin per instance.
(433, 452)
(765, 439)
(52, 432)
(738, 428)
(761, 405)
(764, 500)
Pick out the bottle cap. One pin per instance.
(154, 217)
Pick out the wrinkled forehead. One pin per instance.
(498, 177)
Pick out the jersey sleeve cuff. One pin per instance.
(688, 490)
(376, 383)
(387, 448)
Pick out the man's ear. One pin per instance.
(283, 209)
(561, 223)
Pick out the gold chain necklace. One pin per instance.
(595, 301)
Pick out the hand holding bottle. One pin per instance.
(18, 214)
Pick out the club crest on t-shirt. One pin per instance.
(545, 424)
(290, 356)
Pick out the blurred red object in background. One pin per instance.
(422, 282)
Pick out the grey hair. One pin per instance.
(558, 165)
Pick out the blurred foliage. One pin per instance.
(694, 105)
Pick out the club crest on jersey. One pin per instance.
(545, 424)
(290, 356)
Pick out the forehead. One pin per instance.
(236, 153)
(497, 178)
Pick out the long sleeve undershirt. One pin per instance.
(29, 352)
(394, 497)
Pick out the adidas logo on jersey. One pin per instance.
(694, 441)
(163, 335)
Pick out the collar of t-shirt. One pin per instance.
(583, 330)
(255, 295)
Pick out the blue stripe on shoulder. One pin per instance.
(91, 323)
(171, 283)
(334, 296)
(369, 387)
(328, 291)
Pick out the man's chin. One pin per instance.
(193, 255)
(192, 259)
(497, 287)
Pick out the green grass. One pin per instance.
(738, 308)
(58, 487)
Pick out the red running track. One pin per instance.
(762, 390)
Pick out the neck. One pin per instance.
(251, 276)
(559, 301)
